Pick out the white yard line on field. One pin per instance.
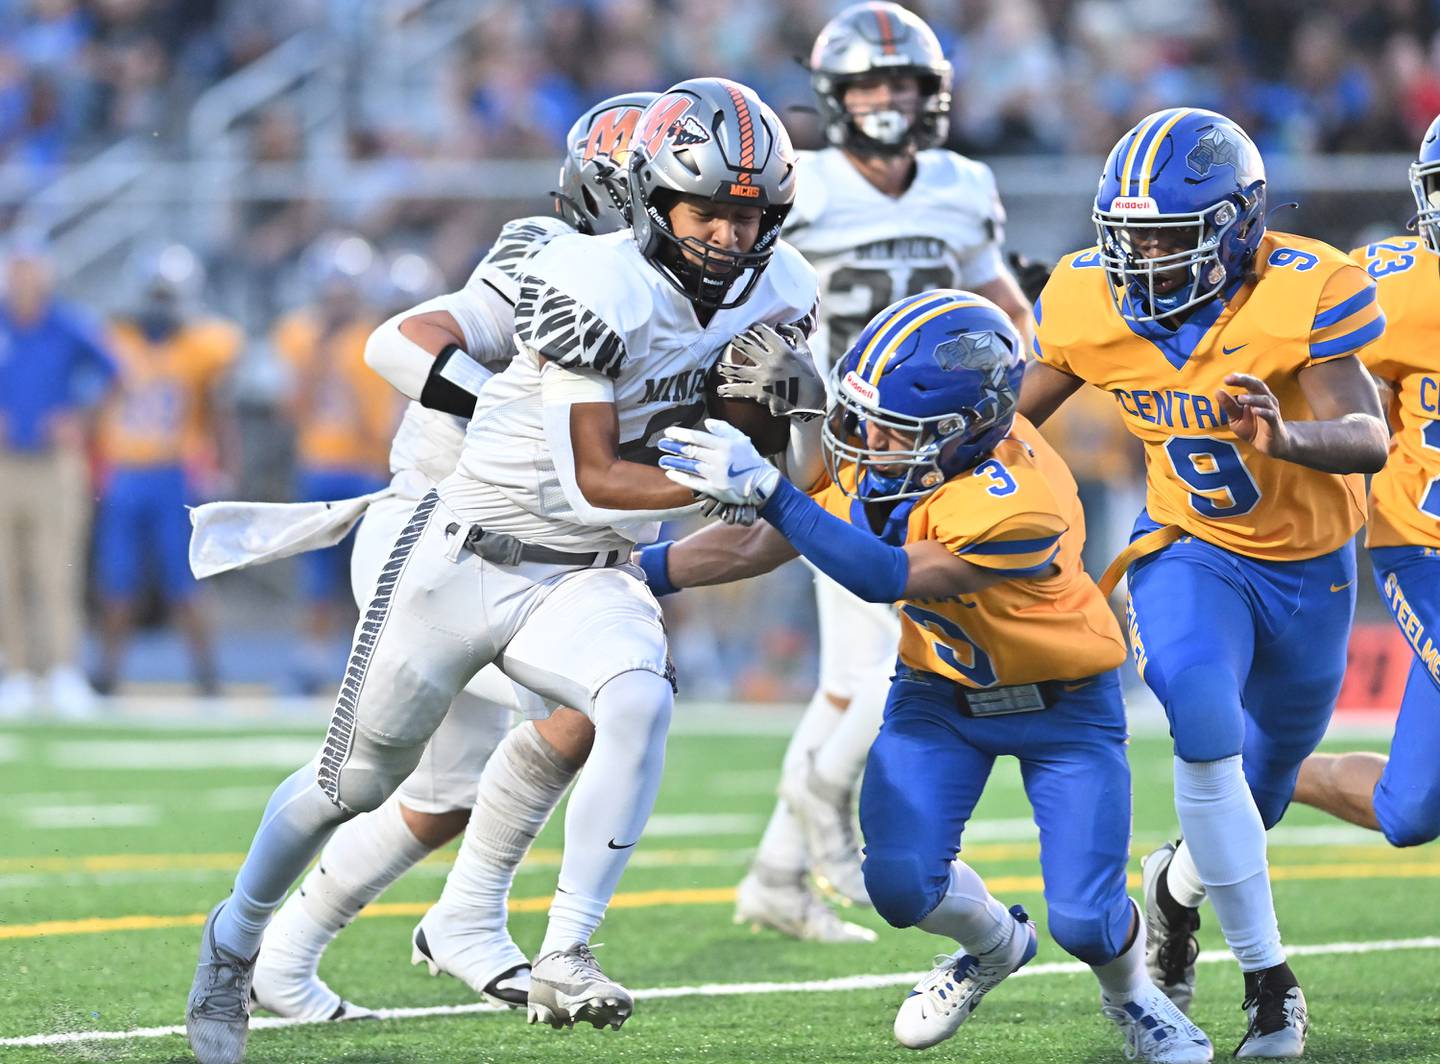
(809, 986)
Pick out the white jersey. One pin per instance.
(870, 249)
(594, 303)
(429, 441)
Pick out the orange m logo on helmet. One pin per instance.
(659, 117)
(611, 134)
(747, 191)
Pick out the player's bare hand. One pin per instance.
(1254, 414)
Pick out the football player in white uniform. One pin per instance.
(883, 213)
(520, 557)
(529, 772)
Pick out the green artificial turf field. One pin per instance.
(116, 840)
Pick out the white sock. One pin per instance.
(1226, 838)
(782, 847)
(969, 913)
(611, 803)
(520, 787)
(360, 861)
(1125, 977)
(1183, 878)
(840, 759)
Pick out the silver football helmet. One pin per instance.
(715, 139)
(872, 39)
(593, 193)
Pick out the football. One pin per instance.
(769, 434)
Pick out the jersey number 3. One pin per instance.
(978, 670)
(1220, 485)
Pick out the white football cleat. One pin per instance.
(287, 980)
(69, 694)
(1279, 1019)
(567, 986)
(17, 696)
(945, 998)
(826, 815)
(484, 959)
(793, 909)
(1156, 1030)
(1170, 945)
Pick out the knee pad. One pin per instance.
(637, 701)
(1409, 821)
(899, 886)
(1089, 936)
(370, 773)
(1206, 719)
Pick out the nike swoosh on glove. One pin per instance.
(719, 461)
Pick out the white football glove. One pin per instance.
(775, 369)
(720, 462)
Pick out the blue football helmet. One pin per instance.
(1186, 179)
(1425, 185)
(942, 371)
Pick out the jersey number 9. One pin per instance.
(1220, 485)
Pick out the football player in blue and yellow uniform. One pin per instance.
(941, 500)
(1232, 354)
(158, 438)
(1401, 795)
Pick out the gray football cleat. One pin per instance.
(790, 907)
(1170, 945)
(217, 1015)
(1279, 1020)
(568, 987)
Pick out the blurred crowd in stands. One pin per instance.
(276, 404)
(1031, 75)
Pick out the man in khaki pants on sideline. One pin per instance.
(53, 371)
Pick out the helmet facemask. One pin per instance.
(1425, 186)
(711, 276)
(1212, 254)
(888, 131)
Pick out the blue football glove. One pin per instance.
(720, 462)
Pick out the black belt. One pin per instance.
(996, 701)
(504, 549)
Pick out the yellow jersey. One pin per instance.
(1405, 495)
(1307, 303)
(157, 416)
(345, 412)
(1016, 512)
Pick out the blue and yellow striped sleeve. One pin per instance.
(1020, 546)
(1348, 315)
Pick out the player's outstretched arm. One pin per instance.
(724, 464)
(717, 554)
(1347, 435)
(1043, 390)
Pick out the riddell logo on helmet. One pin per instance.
(745, 191)
(1133, 205)
(862, 389)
